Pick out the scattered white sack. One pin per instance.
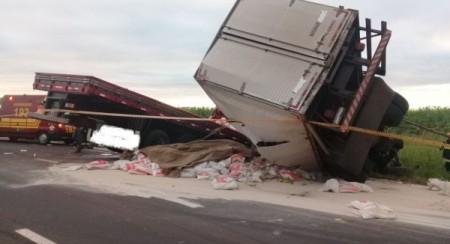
(258, 163)
(289, 174)
(237, 166)
(213, 165)
(239, 174)
(207, 174)
(353, 187)
(257, 176)
(201, 166)
(129, 166)
(342, 186)
(237, 158)
(224, 182)
(439, 185)
(188, 173)
(271, 172)
(224, 171)
(156, 170)
(331, 185)
(225, 163)
(220, 166)
(119, 164)
(98, 164)
(371, 210)
(145, 168)
(141, 156)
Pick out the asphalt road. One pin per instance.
(69, 215)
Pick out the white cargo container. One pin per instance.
(276, 63)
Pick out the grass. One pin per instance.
(424, 161)
(204, 112)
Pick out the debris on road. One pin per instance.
(224, 182)
(372, 210)
(224, 164)
(342, 186)
(98, 164)
(172, 158)
(435, 184)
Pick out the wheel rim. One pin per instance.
(43, 138)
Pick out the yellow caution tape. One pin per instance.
(386, 134)
(254, 121)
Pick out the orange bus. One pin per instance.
(15, 123)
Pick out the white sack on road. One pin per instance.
(371, 210)
(342, 186)
(224, 182)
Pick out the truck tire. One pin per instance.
(156, 137)
(385, 153)
(43, 138)
(401, 103)
(393, 116)
(12, 139)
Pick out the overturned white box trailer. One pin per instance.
(274, 62)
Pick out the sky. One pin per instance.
(155, 46)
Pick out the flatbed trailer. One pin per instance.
(97, 97)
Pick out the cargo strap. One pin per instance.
(386, 134)
(254, 121)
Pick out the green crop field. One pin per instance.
(424, 161)
(204, 112)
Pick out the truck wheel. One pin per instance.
(385, 153)
(13, 139)
(43, 138)
(401, 103)
(393, 116)
(156, 137)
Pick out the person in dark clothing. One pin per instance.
(80, 138)
(446, 155)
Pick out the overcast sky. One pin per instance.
(155, 46)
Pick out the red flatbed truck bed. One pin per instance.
(91, 94)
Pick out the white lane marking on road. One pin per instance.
(48, 161)
(36, 238)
